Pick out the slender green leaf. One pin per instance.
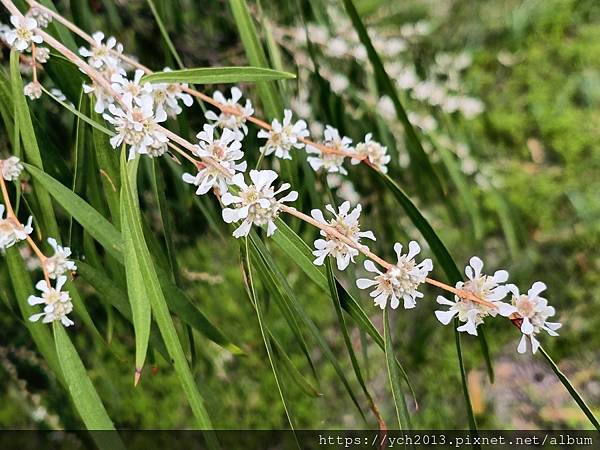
(266, 340)
(293, 372)
(82, 391)
(160, 311)
(218, 75)
(164, 33)
(267, 91)
(567, 384)
(136, 284)
(30, 145)
(394, 376)
(419, 159)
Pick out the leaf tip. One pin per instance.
(137, 376)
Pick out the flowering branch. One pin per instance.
(136, 111)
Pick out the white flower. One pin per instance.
(236, 121)
(33, 90)
(137, 127)
(132, 90)
(11, 231)
(100, 54)
(400, 281)
(283, 136)
(167, 96)
(534, 311)
(58, 94)
(224, 151)
(41, 17)
(331, 162)
(23, 34)
(59, 263)
(485, 287)
(255, 204)
(11, 168)
(42, 54)
(374, 152)
(58, 303)
(346, 223)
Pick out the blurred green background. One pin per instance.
(522, 181)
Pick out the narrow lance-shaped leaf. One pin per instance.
(266, 339)
(83, 394)
(267, 91)
(160, 311)
(394, 376)
(30, 145)
(419, 159)
(218, 75)
(136, 287)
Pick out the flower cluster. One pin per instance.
(283, 136)
(255, 203)
(11, 231)
(57, 302)
(225, 152)
(23, 37)
(346, 224)
(236, 119)
(400, 281)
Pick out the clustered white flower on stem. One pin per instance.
(485, 287)
(237, 121)
(143, 106)
(282, 137)
(534, 312)
(255, 203)
(58, 302)
(401, 281)
(12, 231)
(11, 168)
(225, 151)
(346, 223)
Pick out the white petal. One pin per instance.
(365, 283)
(445, 316)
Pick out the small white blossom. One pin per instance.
(59, 263)
(167, 96)
(331, 162)
(485, 287)
(374, 152)
(41, 17)
(57, 303)
(23, 34)
(234, 122)
(534, 311)
(400, 281)
(255, 204)
(101, 54)
(58, 94)
(33, 90)
(42, 54)
(11, 231)
(137, 127)
(11, 168)
(132, 90)
(283, 136)
(224, 151)
(346, 223)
